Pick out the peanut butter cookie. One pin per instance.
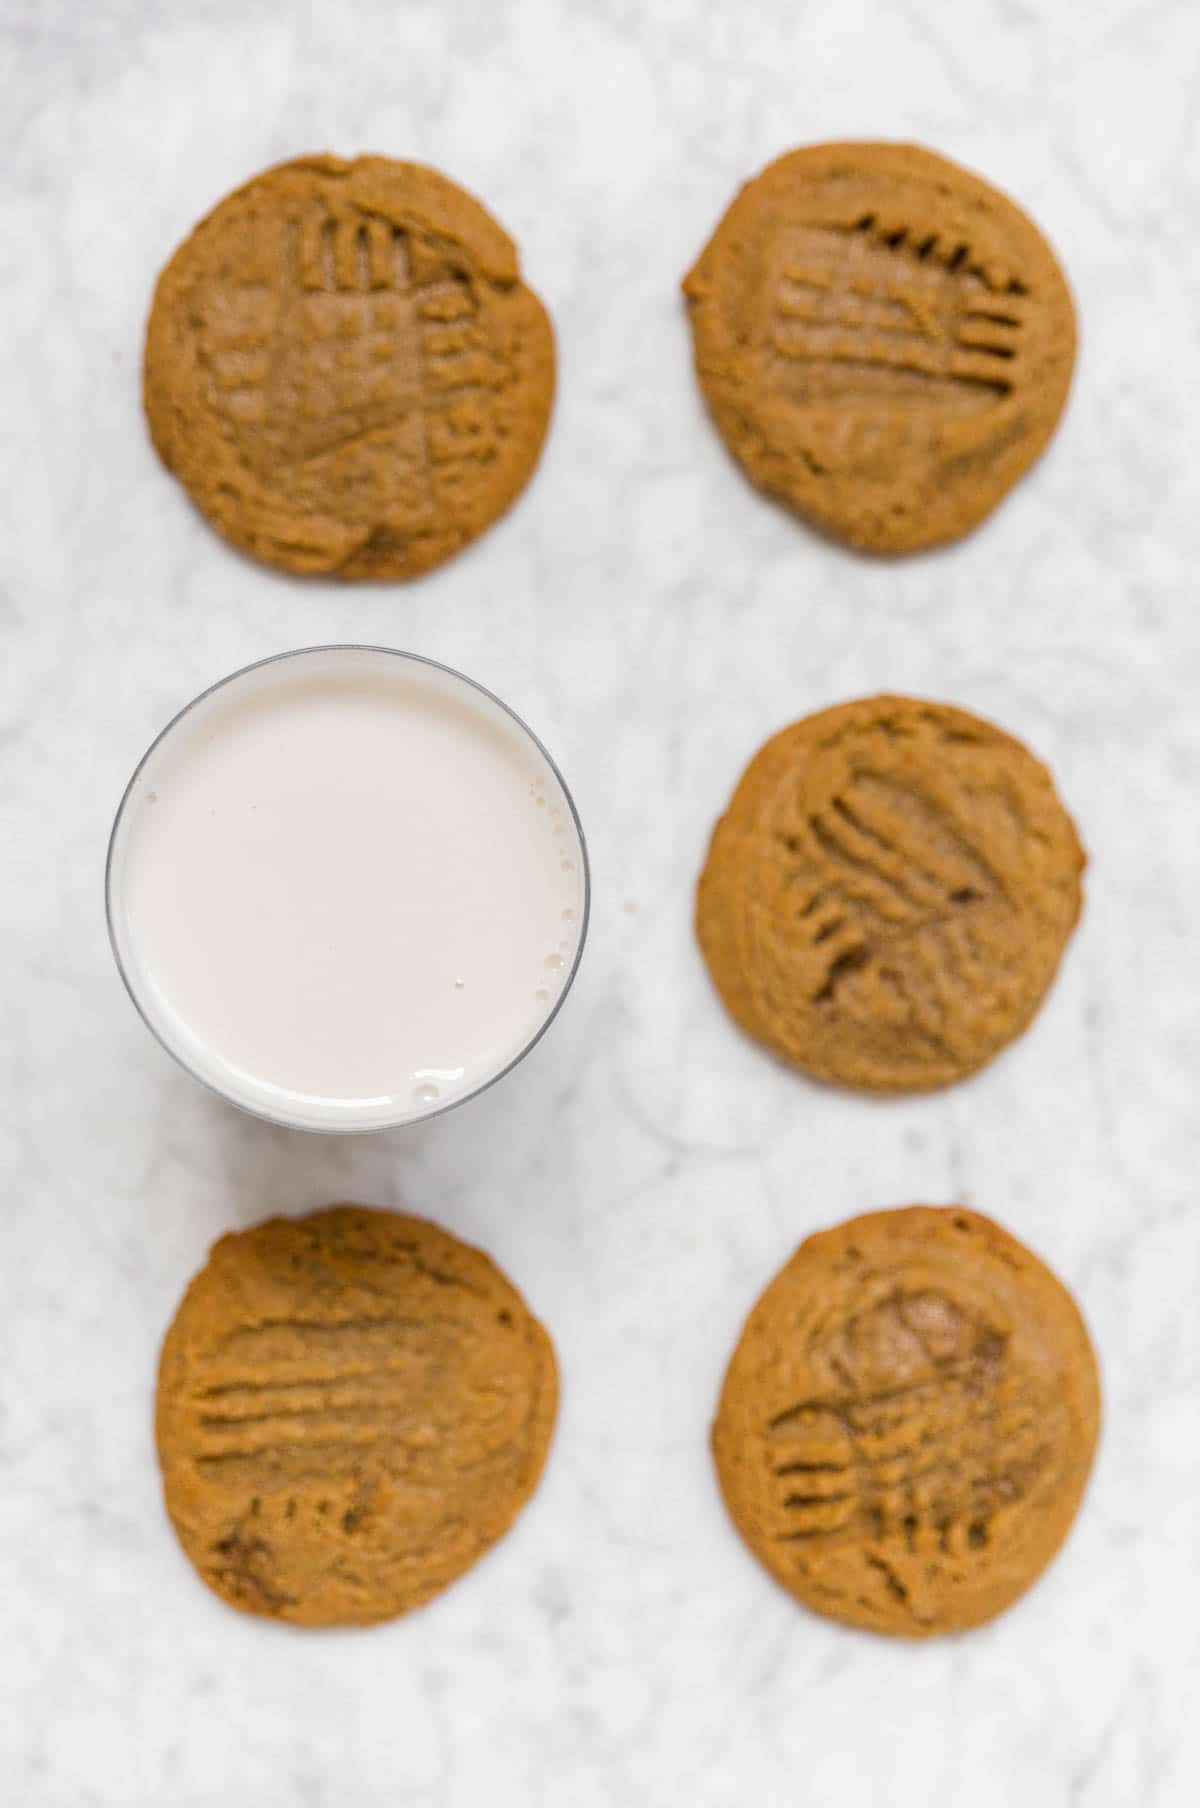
(908, 1421)
(352, 1408)
(886, 900)
(884, 341)
(345, 370)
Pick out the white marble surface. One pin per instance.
(647, 1170)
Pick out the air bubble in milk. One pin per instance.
(541, 996)
(553, 963)
(568, 915)
(425, 1093)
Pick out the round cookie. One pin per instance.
(886, 900)
(352, 1408)
(908, 1421)
(884, 341)
(344, 369)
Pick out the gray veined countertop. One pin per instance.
(646, 1170)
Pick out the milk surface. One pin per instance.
(347, 888)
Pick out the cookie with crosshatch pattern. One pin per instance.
(908, 1421)
(884, 341)
(352, 1408)
(888, 895)
(345, 370)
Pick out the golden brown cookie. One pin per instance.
(352, 1407)
(884, 341)
(345, 370)
(907, 1424)
(887, 897)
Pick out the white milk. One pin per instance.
(346, 888)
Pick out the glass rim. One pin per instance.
(438, 1108)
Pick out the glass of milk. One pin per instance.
(347, 888)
